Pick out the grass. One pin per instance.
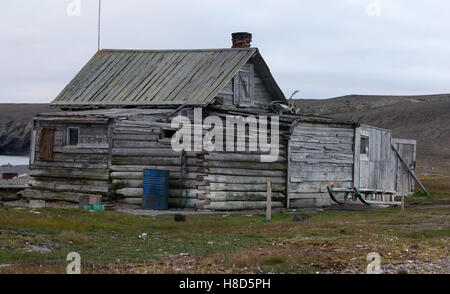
(38, 241)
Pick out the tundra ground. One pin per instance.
(331, 241)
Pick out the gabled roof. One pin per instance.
(157, 77)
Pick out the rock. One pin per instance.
(300, 218)
(179, 218)
(37, 203)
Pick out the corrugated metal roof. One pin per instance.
(153, 77)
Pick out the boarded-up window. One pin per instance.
(72, 136)
(46, 144)
(243, 89)
(364, 145)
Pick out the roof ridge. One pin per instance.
(179, 50)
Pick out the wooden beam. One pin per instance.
(269, 201)
(410, 171)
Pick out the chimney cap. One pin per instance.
(241, 35)
(241, 40)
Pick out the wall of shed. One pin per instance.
(381, 168)
(374, 170)
(320, 155)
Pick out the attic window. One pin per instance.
(72, 136)
(364, 146)
(167, 134)
(243, 88)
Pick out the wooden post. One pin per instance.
(269, 201)
(403, 203)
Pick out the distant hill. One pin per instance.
(15, 126)
(423, 118)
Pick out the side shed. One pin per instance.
(327, 153)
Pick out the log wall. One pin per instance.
(139, 145)
(78, 169)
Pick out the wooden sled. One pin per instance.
(352, 195)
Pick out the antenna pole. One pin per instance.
(99, 17)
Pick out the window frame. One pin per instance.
(367, 146)
(243, 74)
(68, 136)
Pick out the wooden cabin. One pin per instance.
(115, 121)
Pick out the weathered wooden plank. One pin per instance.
(137, 144)
(242, 196)
(136, 137)
(72, 164)
(53, 196)
(240, 205)
(318, 176)
(243, 179)
(80, 158)
(245, 172)
(311, 187)
(139, 175)
(138, 192)
(68, 187)
(133, 160)
(245, 187)
(96, 174)
(173, 183)
(137, 131)
(238, 157)
(145, 152)
(140, 168)
(244, 165)
(307, 195)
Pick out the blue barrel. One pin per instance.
(156, 189)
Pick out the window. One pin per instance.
(167, 134)
(72, 136)
(364, 146)
(243, 88)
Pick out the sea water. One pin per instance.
(14, 160)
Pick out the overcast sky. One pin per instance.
(324, 48)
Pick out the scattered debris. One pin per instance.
(143, 236)
(300, 218)
(180, 218)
